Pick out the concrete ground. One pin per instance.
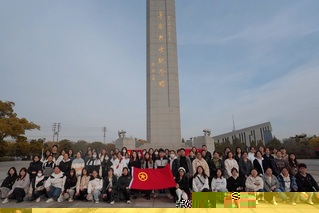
(160, 202)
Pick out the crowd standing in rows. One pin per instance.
(94, 175)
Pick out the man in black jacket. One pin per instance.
(182, 161)
(268, 157)
(306, 183)
(208, 154)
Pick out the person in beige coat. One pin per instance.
(199, 161)
(254, 183)
(82, 185)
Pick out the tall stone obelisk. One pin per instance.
(163, 108)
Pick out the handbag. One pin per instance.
(200, 180)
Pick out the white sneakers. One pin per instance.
(97, 201)
(294, 204)
(5, 200)
(70, 200)
(38, 200)
(49, 200)
(256, 202)
(128, 202)
(112, 202)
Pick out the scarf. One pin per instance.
(261, 164)
(287, 182)
(216, 163)
(119, 163)
(110, 182)
(38, 179)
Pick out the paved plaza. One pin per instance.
(160, 202)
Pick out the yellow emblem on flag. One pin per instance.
(142, 176)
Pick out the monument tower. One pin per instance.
(163, 109)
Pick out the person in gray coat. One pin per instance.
(20, 187)
(245, 165)
(271, 184)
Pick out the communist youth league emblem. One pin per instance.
(142, 176)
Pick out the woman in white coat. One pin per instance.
(219, 183)
(95, 187)
(230, 163)
(200, 180)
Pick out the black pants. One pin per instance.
(104, 172)
(18, 194)
(37, 194)
(190, 183)
(172, 191)
(110, 196)
(82, 195)
(126, 194)
(134, 192)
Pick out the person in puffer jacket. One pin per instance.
(34, 167)
(110, 186)
(288, 186)
(20, 187)
(78, 164)
(123, 183)
(70, 185)
(65, 164)
(254, 183)
(48, 167)
(95, 187)
(37, 186)
(55, 185)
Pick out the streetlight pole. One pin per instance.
(43, 141)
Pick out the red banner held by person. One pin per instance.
(149, 179)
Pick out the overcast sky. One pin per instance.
(83, 64)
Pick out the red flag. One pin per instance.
(149, 179)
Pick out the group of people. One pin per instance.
(95, 176)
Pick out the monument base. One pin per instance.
(129, 143)
(205, 140)
(147, 146)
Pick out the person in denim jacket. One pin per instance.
(288, 186)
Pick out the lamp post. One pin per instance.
(43, 141)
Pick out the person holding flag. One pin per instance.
(161, 162)
(147, 163)
(152, 179)
(123, 183)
